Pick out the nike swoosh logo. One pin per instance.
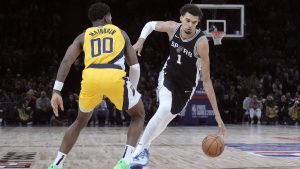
(176, 36)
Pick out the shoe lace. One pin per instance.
(141, 155)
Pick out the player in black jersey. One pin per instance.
(178, 79)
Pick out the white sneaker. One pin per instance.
(140, 160)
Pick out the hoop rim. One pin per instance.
(217, 37)
(218, 34)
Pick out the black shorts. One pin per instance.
(181, 93)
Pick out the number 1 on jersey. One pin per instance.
(179, 59)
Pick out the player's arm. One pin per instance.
(132, 61)
(203, 52)
(71, 55)
(160, 26)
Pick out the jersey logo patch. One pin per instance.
(179, 49)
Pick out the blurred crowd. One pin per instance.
(256, 79)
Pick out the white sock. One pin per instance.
(127, 153)
(60, 158)
(139, 148)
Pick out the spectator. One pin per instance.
(283, 110)
(271, 110)
(147, 100)
(219, 90)
(23, 112)
(29, 102)
(43, 109)
(255, 109)
(294, 111)
(22, 67)
(226, 109)
(246, 107)
(71, 108)
(4, 106)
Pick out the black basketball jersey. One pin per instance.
(181, 65)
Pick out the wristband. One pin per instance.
(58, 85)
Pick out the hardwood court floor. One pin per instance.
(176, 148)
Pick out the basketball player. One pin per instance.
(106, 47)
(179, 77)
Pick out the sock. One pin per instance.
(60, 158)
(127, 153)
(139, 149)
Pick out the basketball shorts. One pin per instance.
(106, 80)
(181, 93)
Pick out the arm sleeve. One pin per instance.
(148, 28)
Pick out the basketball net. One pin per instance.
(217, 37)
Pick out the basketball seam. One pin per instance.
(212, 143)
(213, 139)
(216, 151)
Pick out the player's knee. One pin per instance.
(166, 108)
(138, 111)
(140, 116)
(82, 120)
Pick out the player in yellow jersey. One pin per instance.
(106, 47)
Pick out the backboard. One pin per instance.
(229, 18)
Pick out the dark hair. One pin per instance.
(98, 11)
(192, 9)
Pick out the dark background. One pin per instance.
(34, 36)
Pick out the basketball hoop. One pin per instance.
(217, 37)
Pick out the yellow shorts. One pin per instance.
(112, 83)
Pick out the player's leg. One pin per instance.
(137, 114)
(163, 115)
(155, 127)
(90, 97)
(70, 137)
(159, 121)
(125, 97)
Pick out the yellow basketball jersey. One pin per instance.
(104, 45)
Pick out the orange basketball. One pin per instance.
(213, 145)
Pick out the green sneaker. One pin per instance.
(53, 166)
(121, 165)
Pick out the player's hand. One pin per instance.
(56, 102)
(138, 46)
(222, 128)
